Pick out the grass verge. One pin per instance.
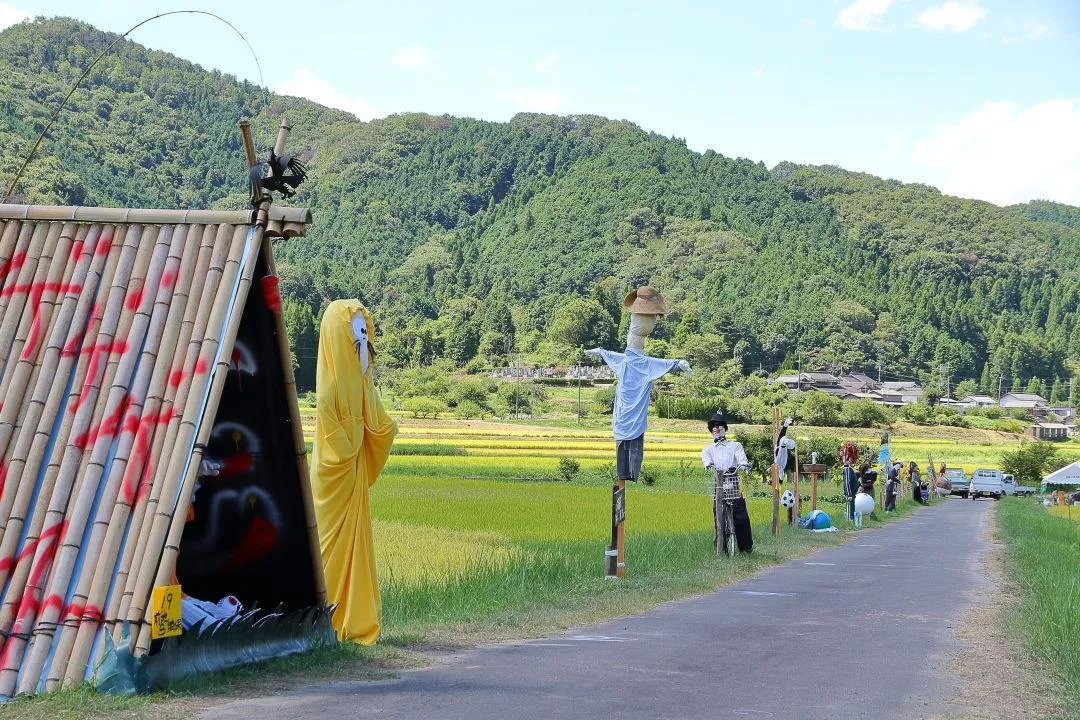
(1043, 558)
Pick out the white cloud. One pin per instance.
(305, 83)
(756, 73)
(549, 63)
(412, 58)
(1033, 30)
(1006, 154)
(863, 14)
(549, 100)
(633, 89)
(953, 15)
(12, 16)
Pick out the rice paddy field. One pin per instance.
(480, 534)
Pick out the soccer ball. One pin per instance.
(787, 499)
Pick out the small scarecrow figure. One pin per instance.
(636, 372)
(353, 434)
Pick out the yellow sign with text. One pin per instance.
(165, 612)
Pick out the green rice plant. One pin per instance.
(439, 449)
(1043, 559)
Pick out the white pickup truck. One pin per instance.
(1010, 486)
(986, 483)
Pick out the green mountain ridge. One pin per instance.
(478, 241)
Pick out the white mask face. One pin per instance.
(640, 328)
(360, 337)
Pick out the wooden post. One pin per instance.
(615, 561)
(815, 471)
(775, 474)
(797, 510)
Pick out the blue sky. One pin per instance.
(980, 98)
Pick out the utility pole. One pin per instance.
(1000, 378)
(879, 369)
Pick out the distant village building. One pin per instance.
(1049, 431)
(978, 401)
(853, 386)
(1023, 401)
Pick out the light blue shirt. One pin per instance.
(636, 372)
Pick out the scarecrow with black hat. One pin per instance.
(725, 458)
(636, 372)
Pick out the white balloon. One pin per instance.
(864, 504)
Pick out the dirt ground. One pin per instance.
(998, 682)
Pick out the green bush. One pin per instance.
(863, 413)
(604, 399)
(568, 468)
(468, 410)
(423, 406)
(467, 390)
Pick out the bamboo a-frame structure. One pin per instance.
(117, 335)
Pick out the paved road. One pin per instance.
(863, 630)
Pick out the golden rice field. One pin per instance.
(1066, 511)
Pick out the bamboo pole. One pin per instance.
(107, 417)
(145, 333)
(68, 482)
(13, 385)
(47, 213)
(172, 301)
(296, 425)
(183, 467)
(33, 409)
(17, 262)
(212, 252)
(32, 276)
(101, 266)
(37, 312)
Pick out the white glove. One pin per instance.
(685, 367)
(595, 352)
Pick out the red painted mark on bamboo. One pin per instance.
(29, 605)
(133, 483)
(134, 299)
(177, 376)
(96, 353)
(3, 474)
(9, 266)
(108, 427)
(167, 279)
(28, 288)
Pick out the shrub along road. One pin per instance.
(864, 629)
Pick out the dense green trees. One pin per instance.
(479, 242)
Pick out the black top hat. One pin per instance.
(717, 419)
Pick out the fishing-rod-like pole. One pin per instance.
(56, 114)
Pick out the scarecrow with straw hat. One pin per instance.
(636, 372)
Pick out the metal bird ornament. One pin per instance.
(280, 174)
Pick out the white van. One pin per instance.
(986, 483)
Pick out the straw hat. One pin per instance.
(646, 301)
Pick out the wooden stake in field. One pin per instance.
(815, 471)
(796, 511)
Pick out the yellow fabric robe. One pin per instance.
(353, 434)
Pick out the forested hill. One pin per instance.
(474, 239)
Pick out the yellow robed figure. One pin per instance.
(353, 434)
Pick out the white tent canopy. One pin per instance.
(1068, 475)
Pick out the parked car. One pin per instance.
(986, 483)
(958, 482)
(1010, 487)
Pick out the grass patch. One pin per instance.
(1043, 556)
